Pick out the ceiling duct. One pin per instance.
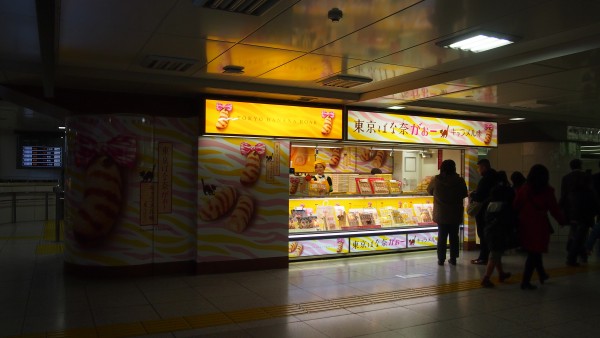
(167, 63)
(345, 81)
(531, 104)
(249, 7)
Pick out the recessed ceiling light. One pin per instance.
(477, 41)
(516, 118)
(396, 107)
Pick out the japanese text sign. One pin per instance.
(259, 119)
(365, 126)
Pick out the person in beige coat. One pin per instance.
(449, 191)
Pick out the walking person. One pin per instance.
(499, 223)
(449, 191)
(532, 203)
(518, 179)
(583, 208)
(575, 191)
(594, 235)
(481, 194)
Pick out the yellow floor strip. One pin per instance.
(284, 310)
(211, 319)
(166, 325)
(319, 306)
(121, 330)
(75, 333)
(248, 315)
(49, 248)
(217, 319)
(50, 230)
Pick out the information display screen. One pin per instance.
(40, 150)
(41, 156)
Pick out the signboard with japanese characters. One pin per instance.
(369, 126)
(260, 119)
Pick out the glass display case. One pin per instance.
(365, 213)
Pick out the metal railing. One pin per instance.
(23, 206)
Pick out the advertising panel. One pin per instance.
(366, 126)
(318, 247)
(424, 239)
(259, 119)
(377, 243)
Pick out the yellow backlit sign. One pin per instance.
(259, 119)
(366, 126)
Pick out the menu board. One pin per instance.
(41, 157)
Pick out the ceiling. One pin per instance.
(551, 74)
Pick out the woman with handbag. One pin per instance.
(499, 222)
(533, 202)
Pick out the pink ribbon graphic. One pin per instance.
(227, 107)
(122, 149)
(246, 148)
(325, 114)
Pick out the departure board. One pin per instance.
(41, 157)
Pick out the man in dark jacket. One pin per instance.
(489, 179)
(579, 205)
(449, 191)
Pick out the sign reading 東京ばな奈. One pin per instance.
(368, 126)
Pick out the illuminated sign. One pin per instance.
(258, 119)
(365, 126)
(318, 247)
(377, 243)
(423, 239)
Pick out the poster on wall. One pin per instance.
(112, 190)
(242, 199)
(271, 120)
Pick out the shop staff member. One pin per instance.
(320, 175)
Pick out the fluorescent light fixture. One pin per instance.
(517, 119)
(396, 107)
(62, 128)
(477, 41)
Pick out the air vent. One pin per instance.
(249, 7)
(345, 81)
(167, 63)
(232, 69)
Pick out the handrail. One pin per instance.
(26, 199)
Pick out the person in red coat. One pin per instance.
(532, 203)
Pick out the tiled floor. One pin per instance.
(394, 295)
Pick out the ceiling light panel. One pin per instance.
(477, 41)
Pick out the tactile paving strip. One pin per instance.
(247, 315)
